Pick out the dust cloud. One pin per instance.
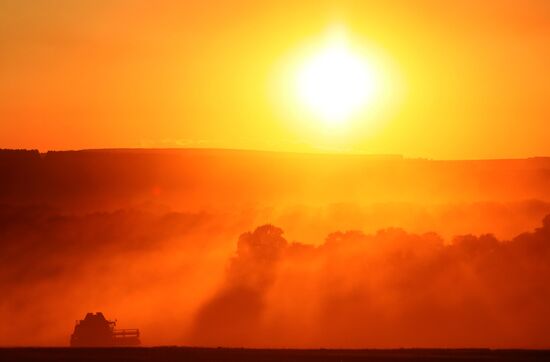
(234, 248)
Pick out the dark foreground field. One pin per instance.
(223, 354)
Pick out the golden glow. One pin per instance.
(103, 74)
(335, 82)
(336, 89)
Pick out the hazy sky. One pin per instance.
(470, 79)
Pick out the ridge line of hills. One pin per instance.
(4, 152)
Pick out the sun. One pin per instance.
(335, 82)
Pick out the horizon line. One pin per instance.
(394, 156)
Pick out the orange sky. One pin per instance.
(472, 76)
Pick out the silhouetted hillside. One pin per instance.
(95, 179)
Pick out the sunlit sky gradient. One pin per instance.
(469, 79)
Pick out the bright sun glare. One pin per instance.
(335, 82)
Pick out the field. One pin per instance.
(236, 354)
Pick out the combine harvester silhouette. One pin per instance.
(96, 331)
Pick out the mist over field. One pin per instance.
(258, 249)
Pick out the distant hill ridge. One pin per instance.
(33, 153)
(193, 177)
